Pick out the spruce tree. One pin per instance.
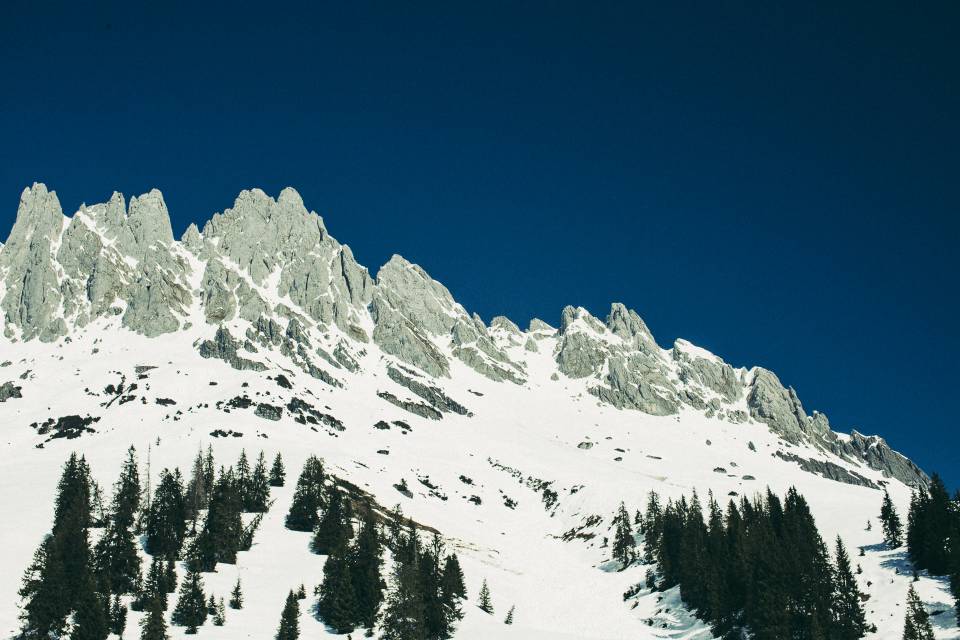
(365, 562)
(219, 614)
(222, 533)
(509, 618)
(334, 530)
(890, 520)
(118, 616)
(191, 609)
(155, 587)
(485, 604)
(289, 619)
(166, 520)
(153, 626)
(452, 583)
(916, 623)
(92, 616)
(258, 491)
(337, 601)
(236, 596)
(59, 576)
(243, 477)
(623, 542)
(403, 617)
(849, 619)
(307, 497)
(278, 474)
(116, 561)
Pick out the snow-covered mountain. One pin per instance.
(263, 327)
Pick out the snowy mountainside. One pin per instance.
(508, 438)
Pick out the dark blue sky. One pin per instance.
(777, 185)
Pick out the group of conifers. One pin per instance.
(761, 567)
(76, 588)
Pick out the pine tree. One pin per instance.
(153, 626)
(116, 561)
(333, 530)
(452, 582)
(236, 596)
(509, 618)
(222, 533)
(403, 617)
(92, 617)
(258, 491)
(892, 529)
(155, 587)
(242, 477)
(278, 474)
(848, 616)
(59, 576)
(485, 603)
(365, 563)
(219, 614)
(289, 619)
(118, 617)
(166, 520)
(623, 542)
(191, 609)
(916, 624)
(307, 497)
(337, 602)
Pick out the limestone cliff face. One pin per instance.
(267, 263)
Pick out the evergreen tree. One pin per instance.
(118, 617)
(337, 602)
(243, 479)
(365, 562)
(623, 542)
(166, 520)
(485, 603)
(116, 561)
(334, 530)
(438, 617)
(236, 596)
(403, 617)
(278, 474)
(452, 583)
(849, 619)
(155, 587)
(59, 577)
(258, 491)
(307, 497)
(289, 619)
(892, 529)
(509, 618)
(191, 609)
(219, 614)
(91, 621)
(916, 624)
(153, 626)
(222, 533)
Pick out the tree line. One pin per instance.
(73, 588)
(758, 567)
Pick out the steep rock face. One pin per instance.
(110, 260)
(263, 237)
(410, 310)
(33, 297)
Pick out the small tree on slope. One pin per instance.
(289, 619)
(485, 603)
(916, 624)
(892, 528)
(623, 542)
(849, 620)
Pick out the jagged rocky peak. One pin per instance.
(416, 319)
(263, 237)
(32, 293)
(629, 326)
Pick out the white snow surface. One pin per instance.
(564, 590)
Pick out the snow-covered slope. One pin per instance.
(508, 438)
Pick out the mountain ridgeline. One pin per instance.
(267, 274)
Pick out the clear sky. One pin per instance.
(777, 185)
